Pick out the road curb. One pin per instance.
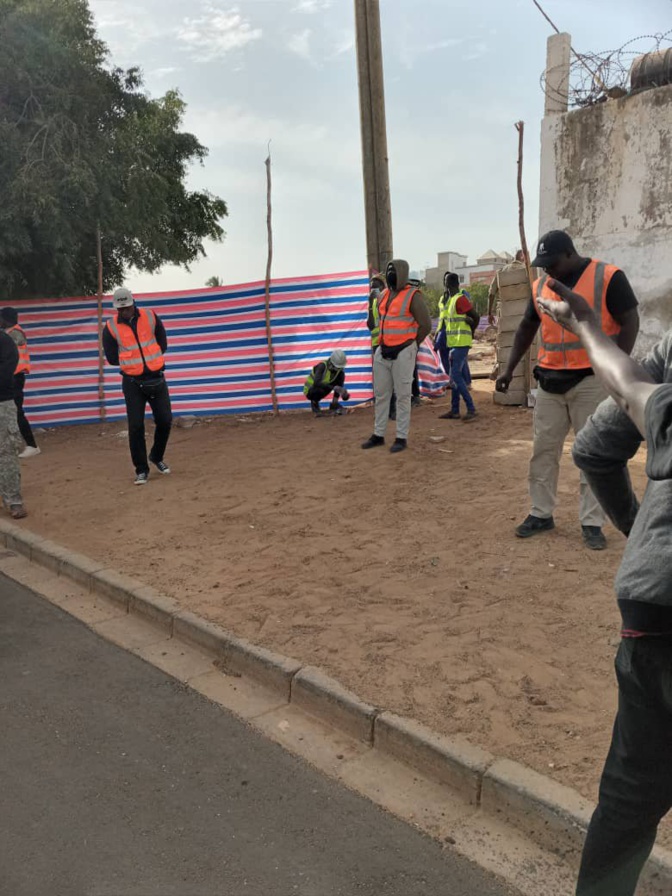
(552, 815)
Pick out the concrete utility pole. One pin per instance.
(374, 135)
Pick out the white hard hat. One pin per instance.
(122, 298)
(338, 359)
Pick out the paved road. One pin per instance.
(117, 781)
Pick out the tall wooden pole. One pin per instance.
(520, 127)
(269, 262)
(375, 166)
(101, 355)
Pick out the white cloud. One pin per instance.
(217, 32)
(300, 44)
(311, 6)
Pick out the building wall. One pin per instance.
(606, 178)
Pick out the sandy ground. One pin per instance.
(398, 574)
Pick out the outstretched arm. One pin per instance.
(627, 382)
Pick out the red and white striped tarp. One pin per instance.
(217, 360)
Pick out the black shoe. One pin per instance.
(399, 445)
(593, 538)
(161, 466)
(533, 525)
(470, 415)
(141, 478)
(315, 408)
(393, 415)
(373, 442)
(449, 416)
(415, 401)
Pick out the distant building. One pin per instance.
(483, 271)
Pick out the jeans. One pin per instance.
(458, 361)
(136, 404)
(636, 785)
(24, 425)
(444, 352)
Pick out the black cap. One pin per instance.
(550, 246)
(10, 316)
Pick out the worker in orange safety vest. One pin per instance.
(134, 340)
(9, 321)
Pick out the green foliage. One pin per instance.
(479, 296)
(432, 297)
(83, 146)
(214, 282)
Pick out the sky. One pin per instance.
(458, 75)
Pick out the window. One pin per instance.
(461, 278)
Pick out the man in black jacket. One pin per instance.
(135, 341)
(10, 439)
(636, 785)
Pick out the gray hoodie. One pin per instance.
(602, 450)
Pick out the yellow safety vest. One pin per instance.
(458, 331)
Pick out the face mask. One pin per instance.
(391, 277)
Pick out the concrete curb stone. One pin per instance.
(449, 760)
(325, 698)
(551, 814)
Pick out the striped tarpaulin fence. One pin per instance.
(217, 360)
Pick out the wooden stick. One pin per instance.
(101, 355)
(269, 335)
(520, 127)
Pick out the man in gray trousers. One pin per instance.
(636, 785)
(404, 325)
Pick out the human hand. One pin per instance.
(503, 382)
(569, 309)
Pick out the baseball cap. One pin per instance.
(550, 246)
(122, 298)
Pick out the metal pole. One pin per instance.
(101, 355)
(269, 334)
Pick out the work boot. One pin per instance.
(373, 441)
(451, 415)
(593, 538)
(533, 525)
(399, 445)
(315, 408)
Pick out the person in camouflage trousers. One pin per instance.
(10, 438)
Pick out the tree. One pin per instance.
(479, 296)
(83, 146)
(214, 282)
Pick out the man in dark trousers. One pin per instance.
(459, 321)
(10, 474)
(404, 325)
(327, 377)
(9, 321)
(568, 391)
(135, 341)
(636, 785)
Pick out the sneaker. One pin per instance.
(593, 538)
(470, 415)
(533, 525)
(399, 445)
(161, 466)
(451, 415)
(141, 479)
(18, 511)
(373, 442)
(30, 451)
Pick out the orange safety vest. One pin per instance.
(24, 357)
(397, 324)
(135, 353)
(560, 349)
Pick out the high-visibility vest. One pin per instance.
(397, 324)
(375, 333)
(327, 379)
(560, 349)
(458, 331)
(134, 352)
(444, 301)
(24, 356)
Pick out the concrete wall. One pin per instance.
(606, 178)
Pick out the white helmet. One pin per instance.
(122, 298)
(338, 359)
